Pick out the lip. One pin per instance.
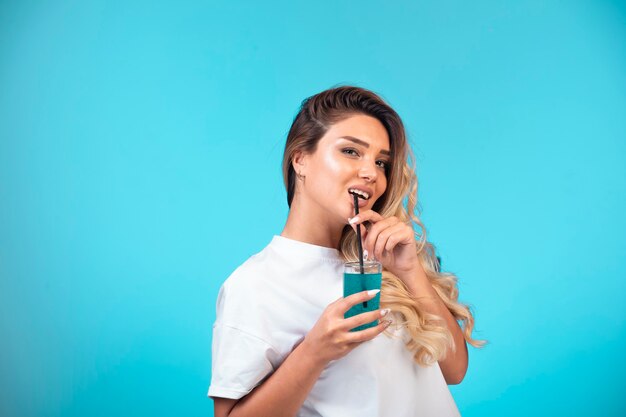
(362, 203)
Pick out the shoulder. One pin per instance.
(245, 287)
(249, 274)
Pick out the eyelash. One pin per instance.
(386, 164)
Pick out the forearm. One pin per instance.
(454, 365)
(284, 392)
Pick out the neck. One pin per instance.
(307, 224)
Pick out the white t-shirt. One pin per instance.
(267, 306)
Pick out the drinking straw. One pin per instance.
(358, 239)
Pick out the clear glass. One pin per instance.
(356, 280)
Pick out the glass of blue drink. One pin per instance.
(356, 280)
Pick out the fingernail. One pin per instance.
(387, 323)
(365, 253)
(353, 220)
(372, 293)
(384, 312)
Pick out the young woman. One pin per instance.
(281, 345)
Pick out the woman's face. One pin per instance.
(354, 153)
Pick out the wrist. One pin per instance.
(417, 283)
(310, 355)
(414, 276)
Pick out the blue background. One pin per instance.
(140, 164)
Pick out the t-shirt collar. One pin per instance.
(298, 248)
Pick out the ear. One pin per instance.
(299, 161)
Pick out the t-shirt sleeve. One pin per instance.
(243, 354)
(240, 362)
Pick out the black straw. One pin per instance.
(358, 239)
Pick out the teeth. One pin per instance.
(363, 194)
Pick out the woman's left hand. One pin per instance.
(391, 241)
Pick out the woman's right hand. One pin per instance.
(331, 338)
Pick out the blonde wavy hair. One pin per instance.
(429, 338)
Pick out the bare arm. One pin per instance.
(393, 242)
(284, 392)
(454, 366)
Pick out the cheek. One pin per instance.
(329, 174)
(332, 171)
(383, 185)
(331, 164)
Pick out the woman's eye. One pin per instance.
(383, 164)
(348, 150)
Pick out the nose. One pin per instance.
(368, 171)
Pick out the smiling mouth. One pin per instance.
(361, 194)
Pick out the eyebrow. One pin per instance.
(363, 143)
